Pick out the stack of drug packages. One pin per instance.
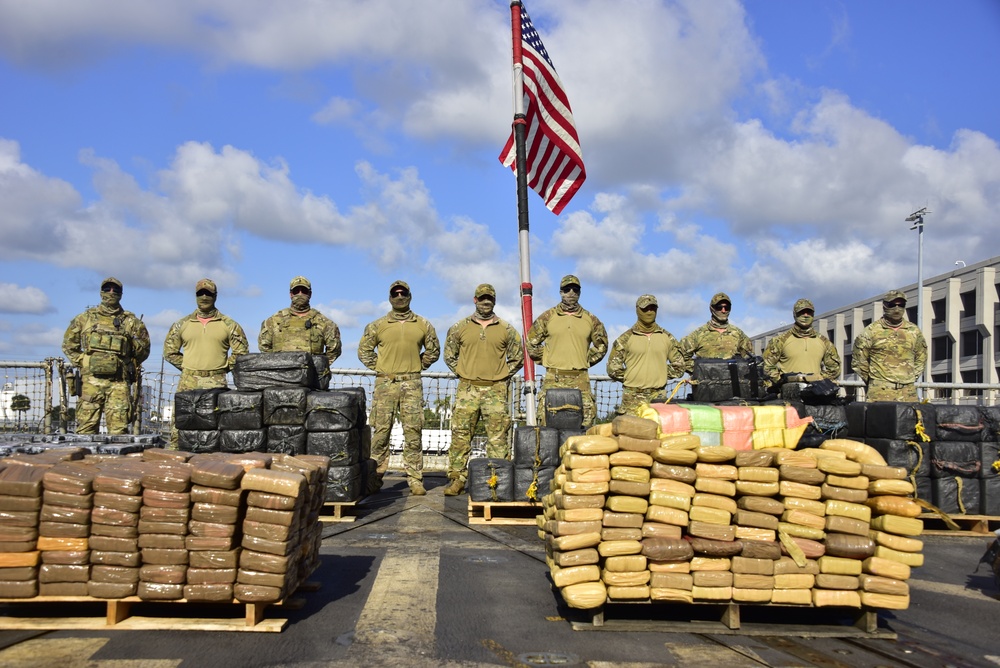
(164, 525)
(639, 516)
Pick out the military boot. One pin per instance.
(454, 488)
(417, 488)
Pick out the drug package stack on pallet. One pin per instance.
(639, 515)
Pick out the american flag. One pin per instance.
(554, 161)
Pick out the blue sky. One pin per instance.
(770, 149)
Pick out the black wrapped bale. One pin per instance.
(899, 420)
(334, 410)
(989, 454)
(342, 447)
(821, 392)
(531, 484)
(343, 483)
(258, 371)
(811, 438)
(856, 413)
(285, 405)
(321, 364)
(288, 439)
(197, 410)
(956, 496)
(241, 410)
(829, 421)
(959, 423)
(198, 441)
(243, 440)
(991, 423)
(720, 380)
(118, 448)
(490, 479)
(924, 488)
(989, 496)
(536, 446)
(563, 408)
(955, 458)
(359, 392)
(914, 456)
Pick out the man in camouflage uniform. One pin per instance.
(567, 340)
(300, 327)
(716, 339)
(398, 346)
(644, 358)
(484, 352)
(210, 341)
(801, 351)
(107, 344)
(890, 354)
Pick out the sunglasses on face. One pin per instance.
(723, 307)
(572, 288)
(804, 312)
(399, 293)
(204, 293)
(299, 290)
(112, 288)
(895, 304)
(647, 309)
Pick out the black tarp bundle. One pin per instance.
(720, 380)
(563, 408)
(258, 371)
(197, 409)
(491, 479)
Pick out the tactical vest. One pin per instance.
(107, 344)
(294, 333)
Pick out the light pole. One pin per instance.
(917, 218)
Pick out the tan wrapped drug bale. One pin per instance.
(885, 601)
(613, 518)
(719, 471)
(712, 578)
(882, 585)
(574, 461)
(760, 549)
(667, 549)
(754, 458)
(753, 581)
(574, 501)
(679, 441)
(895, 542)
(849, 546)
(669, 595)
(710, 515)
(839, 565)
(710, 564)
(615, 548)
(163, 499)
(62, 544)
(211, 530)
(658, 530)
(682, 581)
(585, 488)
(182, 515)
(756, 534)
(715, 486)
(752, 566)
(668, 566)
(875, 472)
(630, 474)
(843, 493)
(678, 473)
(856, 451)
(625, 578)
(851, 482)
(579, 515)
(787, 566)
(585, 596)
(572, 542)
(750, 595)
(716, 454)
(624, 488)
(726, 503)
(632, 563)
(668, 516)
(805, 519)
(802, 458)
(823, 598)
(668, 456)
(63, 530)
(792, 596)
(628, 458)
(757, 474)
(834, 581)
(838, 467)
(747, 518)
(643, 445)
(787, 488)
(761, 505)
(563, 577)
(794, 581)
(800, 531)
(591, 445)
(891, 488)
(847, 509)
(712, 593)
(811, 549)
(808, 505)
(603, 429)
(222, 497)
(901, 509)
(554, 527)
(582, 557)
(715, 548)
(670, 500)
(620, 533)
(911, 559)
(588, 475)
(161, 541)
(701, 529)
(619, 593)
(671, 487)
(211, 576)
(20, 503)
(636, 427)
(838, 524)
(806, 475)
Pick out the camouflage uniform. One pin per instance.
(406, 344)
(210, 349)
(567, 343)
(484, 357)
(801, 350)
(715, 340)
(890, 359)
(643, 359)
(306, 331)
(108, 345)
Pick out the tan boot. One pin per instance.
(417, 488)
(454, 488)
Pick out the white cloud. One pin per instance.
(28, 299)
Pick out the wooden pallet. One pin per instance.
(515, 513)
(339, 511)
(969, 525)
(118, 615)
(726, 619)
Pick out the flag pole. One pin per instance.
(523, 247)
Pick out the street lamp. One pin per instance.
(917, 218)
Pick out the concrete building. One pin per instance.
(961, 322)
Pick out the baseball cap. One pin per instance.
(720, 297)
(300, 282)
(206, 284)
(485, 289)
(399, 284)
(801, 305)
(646, 300)
(111, 280)
(569, 279)
(893, 295)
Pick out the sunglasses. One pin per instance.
(571, 288)
(204, 293)
(647, 309)
(895, 304)
(399, 293)
(299, 290)
(804, 312)
(723, 307)
(112, 288)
